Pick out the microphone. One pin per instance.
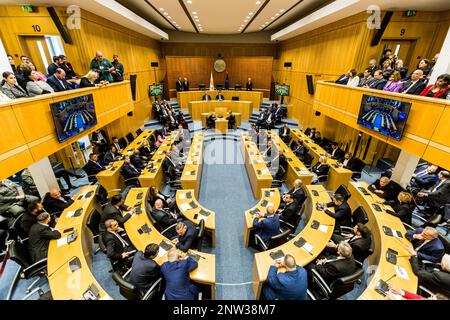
(391, 277)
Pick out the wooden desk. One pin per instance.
(65, 284)
(257, 171)
(155, 176)
(196, 108)
(205, 273)
(296, 169)
(336, 175)
(194, 164)
(136, 144)
(377, 261)
(315, 237)
(236, 115)
(184, 97)
(111, 179)
(269, 197)
(222, 126)
(185, 199)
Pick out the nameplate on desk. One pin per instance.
(277, 255)
(204, 212)
(165, 245)
(89, 194)
(144, 229)
(264, 203)
(75, 264)
(391, 256)
(193, 204)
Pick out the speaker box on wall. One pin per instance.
(379, 33)
(133, 78)
(309, 82)
(288, 64)
(154, 64)
(64, 34)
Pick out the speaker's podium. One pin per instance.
(222, 125)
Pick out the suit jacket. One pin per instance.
(206, 97)
(220, 97)
(320, 169)
(118, 147)
(129, 171)
(424, 180)
(185, 241)
(352, 164)
(403, 211)
(144, 272)
(378, 84)
(416, 89)
(163, 218)
(289, 214)
(389, 190)
(14, 92)
(145, 151)
(289, 285)
(281, 131)
(431, 251)
(28, 220)
(56, 84)
(249, 86)
(179, 85)
(336, 268)
(185, 85)
(39, 239)
(114, 247)
(110, 211)
(342, 215)
(137, 162)
(178, 283)
(52, 68)
(109, 157)
(360, 247)
(343, 79)
(441, 196)
(436, 281)
(337, 154)
(168, 165)
(53, 205)
(299, 195)
(93, 168)
(267, 228)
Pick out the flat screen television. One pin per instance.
(385, 116)
(282, 89)
(156, 89)
(73, 116)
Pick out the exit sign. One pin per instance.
(411, 13)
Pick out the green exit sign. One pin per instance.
(27, 8)
(411, 13)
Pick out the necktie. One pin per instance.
(124, 243)
(422, 173)
(437, 187)
(412, 84)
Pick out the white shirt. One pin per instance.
(353, 82)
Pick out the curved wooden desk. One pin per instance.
(236, 115)
(196, 108)
(257, 171)
(336, 175)
(377, 261)
(66, 284)
(184, 97)
(186, 200)
(269, 197)
(137, 142)
(317, 238)
(192, 172)
(205, 273)
(296, 169)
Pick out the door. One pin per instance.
(36, 49)
(405, 53)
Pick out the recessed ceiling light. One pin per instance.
(162, 9)
(194, 12)
(189, 1)
(258, 2)
(272, 18)
(277, 14)
(281, 10)
(250, 13)
(195, 17)
(169, 17)
(166, 13)
(247, 17)
(245, 20)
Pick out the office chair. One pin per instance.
(92, 178)
(18, 252)
(93, 223)
(138, 132)
(123, 143)
(358, 169)
(274, 241)
(197, 243)
(132, 182)
(343, 191)
(130, 137)
(130, 292)
(293, 227)
(16, 232)
(440, 219)
(307, 160)
(338, 287)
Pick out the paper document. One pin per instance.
(182, 196)
(185, 206)
(61, 242)
(308, 247)
(70, 213)
(323, 228)
(272, 193)
(401, 272)
(161, 252)
(188, 173)
(202, 217)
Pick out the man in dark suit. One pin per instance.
(231, 120)
(424, 177)
(297, 192)
(170, 168)
(360, 242)
(343, 79)
(176, 274)
(427, 245)
(186, 235)
(29, 218)
(342, 212)
(211, 120)
(115, 143)
(54, 202)
(415, 85)
(145, 271)
(267, 225)
(249, 84)
(130, 172)
(439, 195)
(93, 167)
(349, 162)
(379, 82)
(185, 85)
(438, 281)
(336, 152)
(333, 268)
(384, 189)
(288, 285)
(179, 84)
(220, 96)
(206, 97)
(136, 160)
(262, 120)
(285, 133)
(57, 62)
(289, 213)
(40, 236)
(163, 217)
(58, 81)
(100, 139)
(110, 155)
(118, 247)
(114, 209)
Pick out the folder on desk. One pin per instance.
(264, 203)
(165, 245)
(204, 212)
(391, 256)
(277, 254)
(193, 204)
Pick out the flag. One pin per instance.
(227, 83)
(211, 83)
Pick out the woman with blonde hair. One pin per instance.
(321, 169)
(403, 207)
(89, 80)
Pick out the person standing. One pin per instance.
(179, 84)
(119, 70)
(103, 67)
(185, 85)
(249, 85)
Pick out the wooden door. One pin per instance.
(405, 53)
(36, 49)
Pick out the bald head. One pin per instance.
(55, 193)
(172, 255)
(344, 249)
(298, 183)
(289, 262)
(158, 204)
(270, 210)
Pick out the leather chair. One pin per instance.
(359, 215)
(440, 219)
(130, 292)
(343, 190)
(139, 131)
(130, 137)
(123, 143)
(16, 232)
(293, 227)
(274, 241)
(197, 243)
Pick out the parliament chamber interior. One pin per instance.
(225, 150)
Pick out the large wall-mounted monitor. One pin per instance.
(73, 116)
(156, 89)
(385, 116)
(282, 89)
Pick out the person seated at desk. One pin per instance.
(231, 120)
(360, 242)
(267, 225)
(171, 169)
(439, 89)
(342, 212)
(220, 96)
(438, 281)
(187, 233)
(90, 80)
(291, 284)
(211, 120)
(262, 119)
(176, 274)
(379, 81)
(424, 178)
(137, 160)
(416, 85)
(55, 202)
(336, 152)
(310, 132)
(297, 192)
(427, 245)
(115, 143)
(144, 270)
(403, 207)
(35, 86)
(155, 194)
(289, 212)
(118, 247)
(384, 189)
(58, 81)
(164, 218)
(113, 210)
(10, 88)
(206, 97)
(321, 169)
(438, 195)
(39, 237)
(129, 171)
(146, 150)
(317, 138)
(285, 133)
(335, 267)
(93, 167)
(395, 293)
(111, 155)
(349, 162)
(29, 218)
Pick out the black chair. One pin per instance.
(343, 191)
(358, 169)
(132, 182)
(197, 243)
(130, 292)
(16, 232)
(139, 131)
(123, 143)
(293, 226)
(130, 137)
(18, 252)
(337, 288)
(307, 160)
(359, 216)
(92, 178)
(273, 242)
(440, 219)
